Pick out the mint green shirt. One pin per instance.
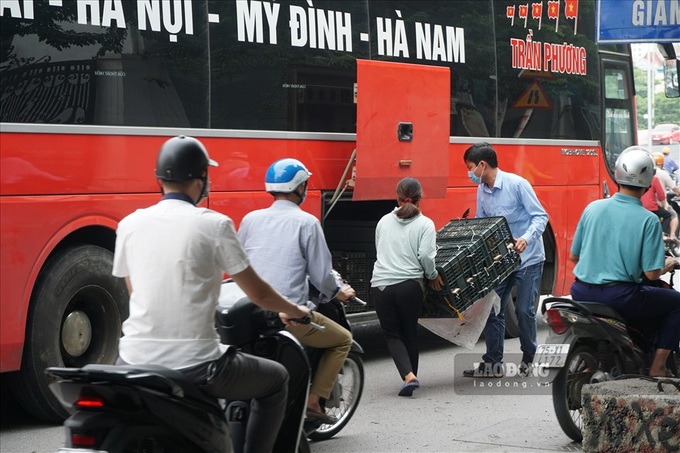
(405, 250)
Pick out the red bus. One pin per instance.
(363, 92)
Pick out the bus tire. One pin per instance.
(74, 318)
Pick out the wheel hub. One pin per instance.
(76, 333)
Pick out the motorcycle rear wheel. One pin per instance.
(351, 385)
(579, 369)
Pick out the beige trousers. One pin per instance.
(336, 340)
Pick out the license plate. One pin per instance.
(552, 355)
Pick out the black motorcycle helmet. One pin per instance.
(183, 158)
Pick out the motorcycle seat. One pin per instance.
(155, 377)
(604, 310)
(596, 308)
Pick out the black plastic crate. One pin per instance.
(356, 268)
(473, 257)
(460, 290)
(440, 305)
(493, 231)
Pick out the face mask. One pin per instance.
(474, 178)
(302, 196)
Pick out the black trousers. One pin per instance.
(398, 307)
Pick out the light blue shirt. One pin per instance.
(617, 240)
(669, 165)
(284, 245)
(513, 198)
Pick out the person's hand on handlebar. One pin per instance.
(287, 318)
(670, 264)
(345, 294)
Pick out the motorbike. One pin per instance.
(349, 385)
(590, 342)
(146, 408)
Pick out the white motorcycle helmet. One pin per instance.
(634, 167)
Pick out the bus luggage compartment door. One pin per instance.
(403, 116)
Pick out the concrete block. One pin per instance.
(631, 415)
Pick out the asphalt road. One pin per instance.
(446, 414)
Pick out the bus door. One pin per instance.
(619, 128)
(403, 122)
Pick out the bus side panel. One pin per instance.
(105, 163)
(558, 164)
(31, 229)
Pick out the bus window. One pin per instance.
(619, 130)
(546, 88)
(55, 70)
(276, 79)
(455, 34)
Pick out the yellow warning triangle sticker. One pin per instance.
(533, 98)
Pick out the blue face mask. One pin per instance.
(473, 177)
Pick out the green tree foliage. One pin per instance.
(666, 110)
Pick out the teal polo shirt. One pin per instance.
(617, 240)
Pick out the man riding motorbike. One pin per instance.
(617, 241)
(173, 256)
(287, 246)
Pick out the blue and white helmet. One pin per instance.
(285, 175)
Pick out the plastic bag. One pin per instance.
(464, 331)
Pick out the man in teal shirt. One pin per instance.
(617, 241)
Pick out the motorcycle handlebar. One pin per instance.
(357, 300)
(308, 321)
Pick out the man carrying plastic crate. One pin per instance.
(505, 194)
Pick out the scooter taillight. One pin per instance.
(557, 322)
(89, 401)
(83, 440)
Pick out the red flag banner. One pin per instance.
(553, 10)
(523, 11)
(536, 10)
(510, 12)
(571, 9)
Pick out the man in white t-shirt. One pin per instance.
(173, 256)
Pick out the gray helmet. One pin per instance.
(634, 167)
(182, 158)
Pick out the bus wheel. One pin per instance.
(75, 317)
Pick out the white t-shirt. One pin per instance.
(665, 179)
(175, 255)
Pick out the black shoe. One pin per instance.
(314, 416)
(525, 365)
(486, 370)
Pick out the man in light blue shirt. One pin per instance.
(668, 163)
(287, 245)
(505, 194)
